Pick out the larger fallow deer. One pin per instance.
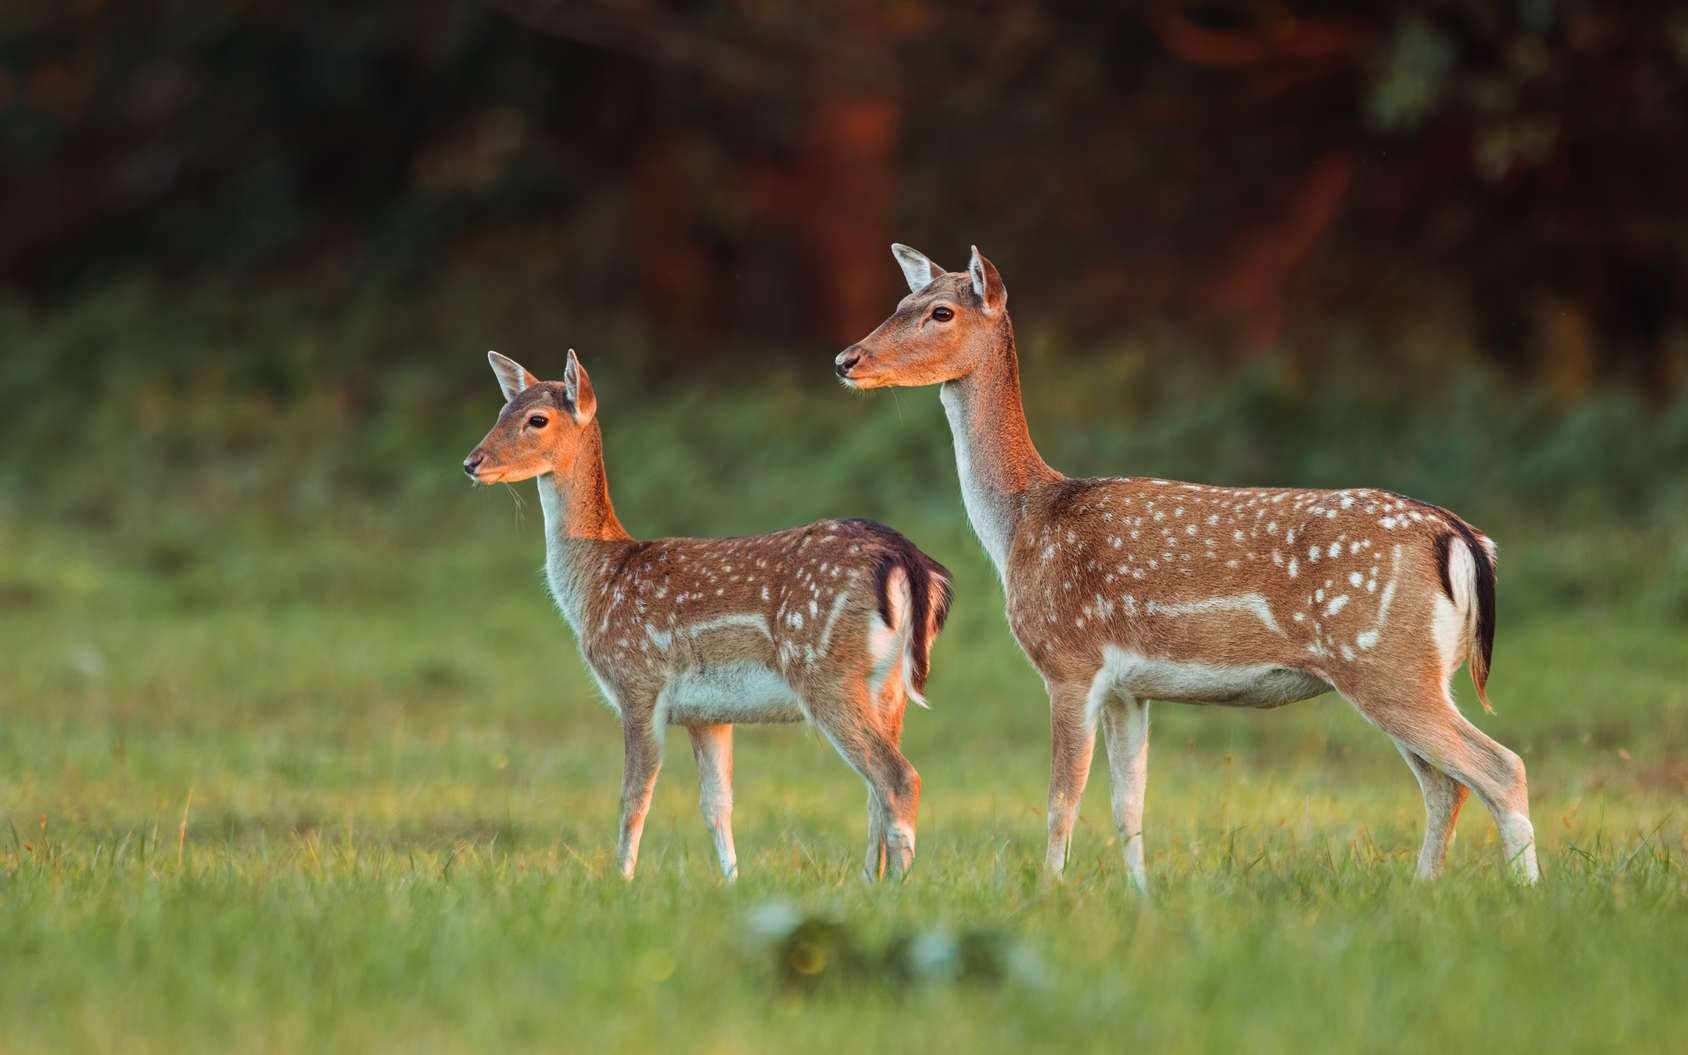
(1125, 589)
(831, 623)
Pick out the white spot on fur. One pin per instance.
(1252, 603)
(663, 638)
(1371, 635)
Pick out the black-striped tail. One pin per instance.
(1482, 652)
(930, 595)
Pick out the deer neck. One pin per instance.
(994, 454)
(581, 527)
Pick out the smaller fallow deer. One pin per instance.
(832, 622)
(1125, 589)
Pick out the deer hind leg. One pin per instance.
(712, 747)
(1443, 798)
(1496, 775)
(877, 851)
(1125, 731)
(873, 869)
(850, 722)
(1072, 731)
(642, 761)
(1426, 721)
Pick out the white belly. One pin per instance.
(1155, 678)
(729, 692)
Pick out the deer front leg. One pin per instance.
(642, 760)
(1125, 730)
(1072, 742)
(712, 747)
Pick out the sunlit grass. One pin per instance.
(295, 754)
(399, 805)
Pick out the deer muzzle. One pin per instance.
(847, 361)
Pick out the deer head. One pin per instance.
(947, 325)
(542, 428)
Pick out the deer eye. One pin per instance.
(538, 421)
(942, 314)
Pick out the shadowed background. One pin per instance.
(293, 749)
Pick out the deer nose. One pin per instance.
(847, 360)
(473, 462)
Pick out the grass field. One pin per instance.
(295, 754)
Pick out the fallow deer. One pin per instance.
(832, 622)
(1125, 589)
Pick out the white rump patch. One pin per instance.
(1451, 619)
(889, 646)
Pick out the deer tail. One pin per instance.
(1478, 586)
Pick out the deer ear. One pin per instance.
(987, 282)
(583, 402)
(513, 377)
(917, 269)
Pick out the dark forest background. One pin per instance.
(1259, 174)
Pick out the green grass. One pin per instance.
(294, 753)
(403, 796)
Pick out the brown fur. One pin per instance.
(670, 627)
(1120, 589)
(1106, 566)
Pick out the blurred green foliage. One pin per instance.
(134, 396)
(174, 428)
(295, 752)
